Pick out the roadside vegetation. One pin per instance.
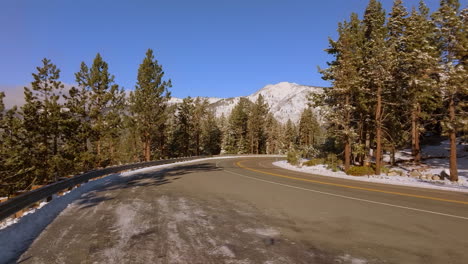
(398, 79)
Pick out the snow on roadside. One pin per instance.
(446, 185)
(17, 234)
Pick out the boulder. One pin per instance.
(415, 174)
(435, 177)
(423, 177)
(445, 174)
(392, 173)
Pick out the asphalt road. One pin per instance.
(248, 211)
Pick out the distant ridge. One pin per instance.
(286, 100)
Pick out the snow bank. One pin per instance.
(446, 185)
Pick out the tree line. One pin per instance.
(394, 77)
(60, 131)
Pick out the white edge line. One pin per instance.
(351, 198)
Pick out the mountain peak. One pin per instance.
(286, 100)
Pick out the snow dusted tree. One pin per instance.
(377, 59)
(149, 101)
(341, 99)
(451, 33)
(420, 78)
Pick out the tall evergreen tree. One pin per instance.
(149, 101)
(256, 125)
(421, 60)
(290, 135)
(343, 99)
(452, 43)
(211, 135)
(199, 114)
(182, 140)
(377, 64)
(105, 105)
(273, 135)
(42, 122)
(308, 128)
(236, 137)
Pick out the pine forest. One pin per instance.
(395, 76)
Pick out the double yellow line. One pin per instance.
(239, 164)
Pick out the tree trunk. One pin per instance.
(415, 145)
(392, 155)
(453, 142)
(147, 147)
(347, 150)
(378, 132)
(198, 144)
(347, 154)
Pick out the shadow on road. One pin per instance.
(157, 177)
(23, 234)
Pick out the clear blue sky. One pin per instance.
(219, 48)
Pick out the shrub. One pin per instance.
(314, 162)
(333, 162)
(385, 170)
(293, 157)
(360, 171)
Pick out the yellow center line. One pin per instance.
(239, 163)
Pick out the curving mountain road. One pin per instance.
(248, 211)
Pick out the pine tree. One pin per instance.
(16, 173)
(421, 61)
(199, 114)
(452, 43)
(395, 121)
(182, 140)
(377, 64)
(273, 135)
(42, 122)
(256, 125)
(343, 99)
(149, 101)
(236, 137)
(106, 102)
(211, 135)
(290, 136)
(308, 128)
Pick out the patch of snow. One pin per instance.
(268, 232)
(446, 185)
(223, 251)
(351, 260)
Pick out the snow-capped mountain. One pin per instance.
(286, 100)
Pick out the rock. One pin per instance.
(415, 174)
(392, 173)
(445, 174)
(435, 177)
(422, 177)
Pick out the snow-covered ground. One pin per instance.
(435, 160)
